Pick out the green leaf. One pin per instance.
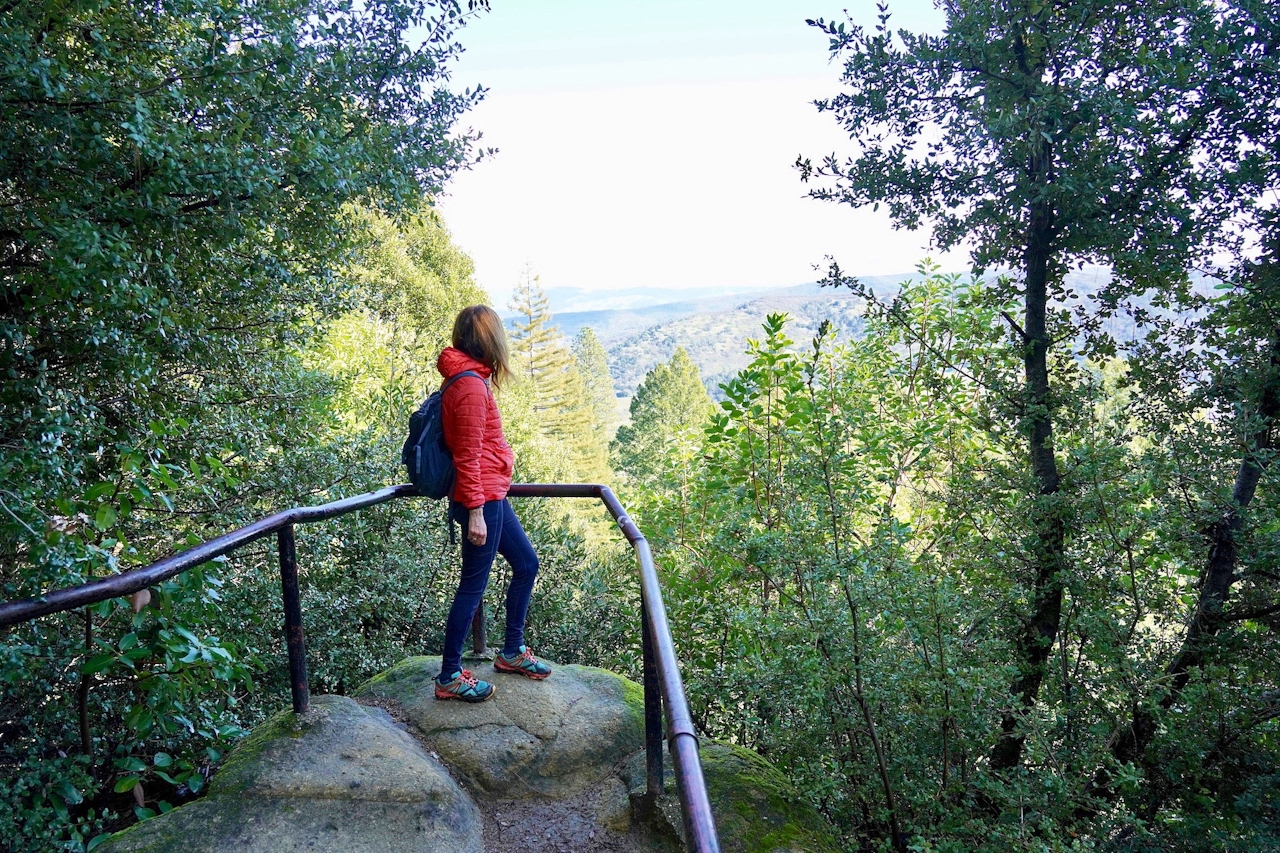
(105, 517)
(97, 491)
(162, 473)
(140, 718)
(132, 762)
(98, 663)
(69, 793)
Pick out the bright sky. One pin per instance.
(650, 143)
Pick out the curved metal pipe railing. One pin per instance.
(663, 686)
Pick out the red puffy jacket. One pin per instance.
(473, 432)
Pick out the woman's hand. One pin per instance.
(477, 532)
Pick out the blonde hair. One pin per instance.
(479, 333)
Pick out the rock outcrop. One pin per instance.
(756, 809)
(339, 778)
(567, 753)
(549, 738)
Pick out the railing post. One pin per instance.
(479, 638)
(652, 712)
(293, 619)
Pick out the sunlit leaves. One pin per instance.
(867, 503)
(175, 229)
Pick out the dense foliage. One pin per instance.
(976, 571)
(1110, 517)
(848, 558)
(178, 225)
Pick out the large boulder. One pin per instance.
(340, 777)
(756, 808)
(554, 761)
(551, 738)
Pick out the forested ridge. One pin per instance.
(712, 329)
(980, 574)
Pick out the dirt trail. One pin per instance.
(554, 826)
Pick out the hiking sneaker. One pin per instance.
(521, 663)
(464, 686)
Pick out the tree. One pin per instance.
(409, 281)
(173, 184)
(593, 366)
(1238, 167)
(1044, 135)
(668, 411)
(1050, 134)
(850, 537)
(561, 406)
(173, 188)
(788, 563)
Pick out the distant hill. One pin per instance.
(716, 335)
(714, 328)
(616, 324)
(566, 300)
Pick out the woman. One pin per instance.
(484, 461)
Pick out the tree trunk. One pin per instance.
(1039, 628)
(82, 692)
(1128, 743)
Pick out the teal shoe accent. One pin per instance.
(522, 663)
(464, 686)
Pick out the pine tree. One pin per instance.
(594, 367)
(560, 402)
(667, 414)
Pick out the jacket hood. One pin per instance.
(453, 361)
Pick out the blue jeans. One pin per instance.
(504, 536)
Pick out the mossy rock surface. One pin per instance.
(346, 778)
(756, 808)
(551, 738)
(337, 778)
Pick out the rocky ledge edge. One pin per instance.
(351, 777)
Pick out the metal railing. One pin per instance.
(662, 683)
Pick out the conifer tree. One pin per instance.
(560, 402)
(593, 364)
(669, 408)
